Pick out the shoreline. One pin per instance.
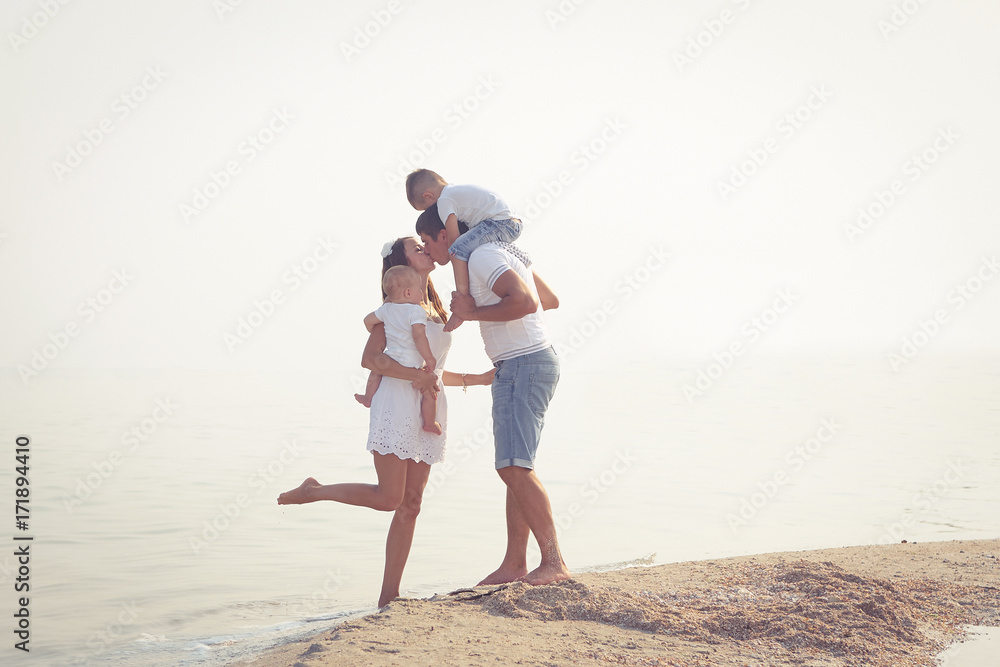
(887, 605)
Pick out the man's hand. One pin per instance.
(516, 301)
(463, 305)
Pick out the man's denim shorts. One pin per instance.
(522, 389)
(487, 231)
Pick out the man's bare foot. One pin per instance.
(299, 494)
(453, 323)
(542, 575)
(363, 400)
(434, 428)
(504, 576)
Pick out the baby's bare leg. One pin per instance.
(428, 411)
(365, 399)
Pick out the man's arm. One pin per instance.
(546, 296)
(374, 359)
(516, 301)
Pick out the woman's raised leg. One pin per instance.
(384, 496)
(397, 543)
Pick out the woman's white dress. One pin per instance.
(395, 426)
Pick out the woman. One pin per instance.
(402, 450)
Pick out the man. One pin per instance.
(504, 297)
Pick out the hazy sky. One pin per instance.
(683, 168)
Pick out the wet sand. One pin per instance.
(893, 605)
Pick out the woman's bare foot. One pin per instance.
(363, 400)
(299, 494)
(434, 428)
(504, 576)
(545, 574)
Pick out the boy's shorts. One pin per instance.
(489, 231)
(522, 389)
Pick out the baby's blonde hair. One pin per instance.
(398, 278)
(417, 183)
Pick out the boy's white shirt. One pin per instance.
(472, 204)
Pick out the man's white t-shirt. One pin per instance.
(504, 340)
(472, 204)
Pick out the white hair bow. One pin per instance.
(387, 248)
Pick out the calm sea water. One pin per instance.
(157, 540)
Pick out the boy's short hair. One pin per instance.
(418, 181)
(399, 277)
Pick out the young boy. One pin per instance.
(489, 218)
(405, 333)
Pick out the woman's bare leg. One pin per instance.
(397, 543)
(384, 496)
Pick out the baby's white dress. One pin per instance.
(395, 426)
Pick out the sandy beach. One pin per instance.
(889, 605)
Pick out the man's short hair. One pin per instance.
(429, 222)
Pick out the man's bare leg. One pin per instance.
(384, 496)
(397, 543)
(533, 504)
(515, 561)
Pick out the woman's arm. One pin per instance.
(374, 359)
(470, 379)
